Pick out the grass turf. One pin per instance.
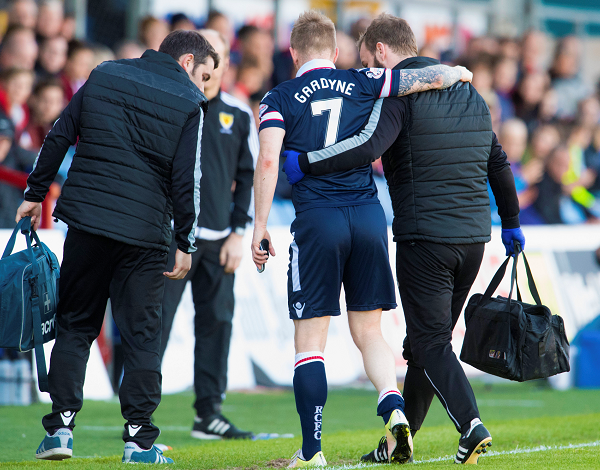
(522, 416)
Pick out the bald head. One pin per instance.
(513, 137)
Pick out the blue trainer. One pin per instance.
(58, 446)
(135, 454)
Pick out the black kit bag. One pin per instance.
(511, 339)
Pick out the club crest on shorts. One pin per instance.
(226, 121)
(299, 309)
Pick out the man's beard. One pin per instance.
(377, 64)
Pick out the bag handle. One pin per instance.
(531, 283)
(495, 282)
(500, 273)
(24, 226)
(513, 281)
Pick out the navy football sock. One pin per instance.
(390, 399)
(310, 391)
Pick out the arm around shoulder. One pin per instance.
(434, 77)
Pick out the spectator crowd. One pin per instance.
(546, 116)
(547, 119)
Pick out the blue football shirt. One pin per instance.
(318, 108)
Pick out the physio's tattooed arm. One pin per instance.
(434, 77)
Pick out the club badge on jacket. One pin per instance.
(226, 121)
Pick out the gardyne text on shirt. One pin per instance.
(334, 85)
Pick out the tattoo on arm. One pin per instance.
(434, 77)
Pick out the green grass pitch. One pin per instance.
(533, 428)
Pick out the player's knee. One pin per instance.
(365, 333)
(311, 334)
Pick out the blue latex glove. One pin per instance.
(511, 235)
(291, 167)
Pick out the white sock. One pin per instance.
(387, 391)
(308, 357)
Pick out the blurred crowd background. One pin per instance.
(546, 114)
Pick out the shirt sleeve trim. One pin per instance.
(386, 89)
(270, 116)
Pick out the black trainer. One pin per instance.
(217, 427)
(380, 455)
(473, 443)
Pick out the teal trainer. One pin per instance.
(58, 446)
(135, 454)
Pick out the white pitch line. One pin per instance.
(524, 450)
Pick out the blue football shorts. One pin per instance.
(339, 245)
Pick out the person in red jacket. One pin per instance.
(47, 102)
(80, 63)
(15, 90)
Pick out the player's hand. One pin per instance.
(30, 209)
(465, 74)
(511, 235)
(291, 167)
(183, 263)
(231, 252)
(259, 256)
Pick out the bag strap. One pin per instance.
(36, 309)
(519, 298)
(38, 341)
(495, 282)
(513, 281)
(497, 279)
(11, 242)
(531, 283)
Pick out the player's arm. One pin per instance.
(382, 129)
(383, 83)
(265, 180)
(434, 77)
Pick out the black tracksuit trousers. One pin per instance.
(434, 281)
(94, 269)
(212, 291)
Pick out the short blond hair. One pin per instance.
(313, 32)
